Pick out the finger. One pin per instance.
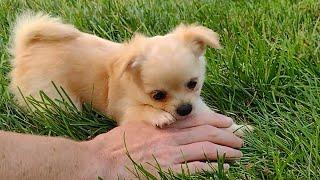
(188, 169)
(207, 133)
(206, 151)
(240, 130)
(194, 167)
(206, 118)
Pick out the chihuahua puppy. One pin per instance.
(153, 79)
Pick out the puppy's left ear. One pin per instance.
(197, 37)
(132, 59)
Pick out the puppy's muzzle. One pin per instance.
(184, 109)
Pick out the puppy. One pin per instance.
(153, 79)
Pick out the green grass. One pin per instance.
(268, 73)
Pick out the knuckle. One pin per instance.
(210, 131)
(177, 158)
(213, 136)
(177, 155)
(168, 156)
(163, 136)
(170, 137)
(206, 144)
(174, 138)
(207, 128)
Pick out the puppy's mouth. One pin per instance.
(181, 118)
(172, 114)
(178, 117)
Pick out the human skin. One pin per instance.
(193, 140)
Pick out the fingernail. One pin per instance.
(240, 154)
(229, 120)
(241, 143)
(226, 167)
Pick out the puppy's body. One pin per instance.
(147, 79)
(65, 60)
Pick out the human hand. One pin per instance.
(193, 140)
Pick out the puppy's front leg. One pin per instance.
(148, 114)
(238, 130)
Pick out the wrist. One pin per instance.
(93, 165)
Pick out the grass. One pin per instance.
(268, 73)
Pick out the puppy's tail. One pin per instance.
(31, 28)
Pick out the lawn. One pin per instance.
(267, 74)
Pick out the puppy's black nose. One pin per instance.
(184, 109)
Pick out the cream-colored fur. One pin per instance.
(119, 79)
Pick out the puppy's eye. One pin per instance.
(158, 95)
(192, 84)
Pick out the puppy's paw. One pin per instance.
(162, 119)
(240, 130)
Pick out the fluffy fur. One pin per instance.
(119, 79)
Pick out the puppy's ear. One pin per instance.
(197, 37)
(132, 59)
(131, 64)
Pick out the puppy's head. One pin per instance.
(169, 70)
